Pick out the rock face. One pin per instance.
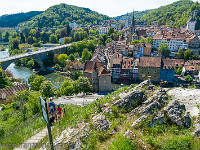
(174, 112)
(159, 119)
(197, 130)
(100, 122)
(156, 102)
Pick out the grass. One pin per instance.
(22, 132)
(165, 136)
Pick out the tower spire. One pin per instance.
(133, 20)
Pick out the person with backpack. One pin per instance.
(59, 111)
(52, 110)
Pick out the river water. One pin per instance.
(23, 72)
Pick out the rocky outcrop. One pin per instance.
(197, 130)
(158, 119)
(100, 122)
(156, 102)
(131, 99)
(174, 112)
(138, 121)
(129, 134)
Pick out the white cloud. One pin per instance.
(108, 7)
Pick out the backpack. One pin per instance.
(51, 107)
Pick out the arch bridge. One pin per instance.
(38, 56)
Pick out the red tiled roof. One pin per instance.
(10, 91)
(168, 64)
(103, 72)
(150, 62)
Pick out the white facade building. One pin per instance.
(174, 44)
(74, 25)
(103, 30)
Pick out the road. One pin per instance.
(34, 52)
(77, 100)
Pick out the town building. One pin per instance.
(103, 30)
(191, 23)
(149, 67)
(98, 76)
(167, 70)
(142, 49)
(115, 65)
(129, 70)
(74, 25)
(176, 40)
(10, 91)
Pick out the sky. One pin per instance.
(111, 8)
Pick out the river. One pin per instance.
(23, 72)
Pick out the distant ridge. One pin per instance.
(60, 15)
(12, 20)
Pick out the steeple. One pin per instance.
(133, 20)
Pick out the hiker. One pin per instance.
(59, 111)
(52, 110)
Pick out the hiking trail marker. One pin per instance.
(46, 118)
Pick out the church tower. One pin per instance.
(191, 24)
(132, 28)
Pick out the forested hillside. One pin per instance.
(60, 15)
(137, 14)
(13, 19)
(177, 12)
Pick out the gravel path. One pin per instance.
(189, 97)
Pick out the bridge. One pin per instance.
(38, 56)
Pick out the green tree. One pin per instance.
(150, 40)
(47, 89)
(5, 81)
(111, 31)
(67, 87)
(86, 55)
(76, 74)
(5, 36)
(62, 59)
(53, 39)
(35, 85)
(179, 70)
(76, 55)
(163, 49)
(15, 44)
(134, 42)
(31, 78)
(84, 84)
(143, 41)
(188, 79)
(71, 57)
(180, 53)
(67, 40)
(188, 54)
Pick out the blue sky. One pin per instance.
(111, 8)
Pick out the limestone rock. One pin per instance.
(187, 118)
(100, 122)
(174, 112)
(159, 119)
(136, 122)
(108, 110)
(129, 134)
(76, 145)
(197, 130)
